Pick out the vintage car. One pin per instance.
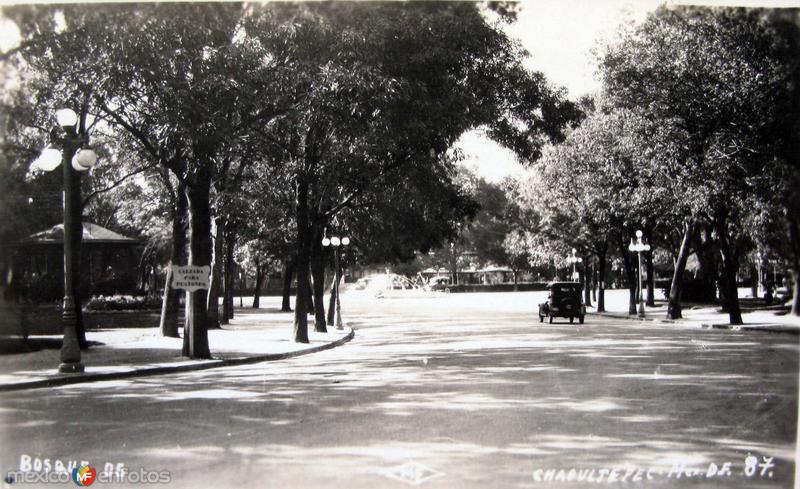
(439, 283)
(564, 301)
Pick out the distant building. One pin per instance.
(490, 274)
(109, 264)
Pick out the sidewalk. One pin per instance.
(252, 337)
(766, 319)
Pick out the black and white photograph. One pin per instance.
(401, 243)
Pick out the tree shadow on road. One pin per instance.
(461, 396)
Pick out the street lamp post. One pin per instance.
(337, 244)
(639, 247)
(574, 260)
(75, 155)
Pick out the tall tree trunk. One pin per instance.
(216, 273)
(648, 275)
(310, 290)
(674, 309)
(601, 277)
(195, 335)
(228, 275)
(629, 272)
(170, 300)
(332, 301)
(257, 285)
(225, 284)
(318, 274)
(587, 285)
(234, 270)
(242, 287)
(168, 324)
(707, 262)
(230, 295)
(288, 274)
(763, 266)
(454, 265)
(793, 216)
(729, 267)
(303, 243)
(651, 283)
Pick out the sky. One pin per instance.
(559, 35)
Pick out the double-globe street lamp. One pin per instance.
(639, 247)
(574, 260)
(337, 244)
(74, 154)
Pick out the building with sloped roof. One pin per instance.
(109, 264)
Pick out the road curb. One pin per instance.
(634, 318)
(770, 328)
(170, 369)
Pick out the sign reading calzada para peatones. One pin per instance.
(190, 277)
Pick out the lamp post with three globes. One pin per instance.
(337, 244)
(574, 260)
(74, 155)
(639, 247)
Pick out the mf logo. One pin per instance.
(412, 473)
(84, 475)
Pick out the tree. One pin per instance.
(42, 62)
(786, 25)
(598, 185)
(708, 70)
(150, 65)
(153, 209)
(486, 232)
(518, 256)
(345, 97)
(417, 211)
(393, 96)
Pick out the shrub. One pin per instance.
(122, 303)
(503, 287)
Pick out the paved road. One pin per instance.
(470, 386)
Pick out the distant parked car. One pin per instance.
(783, 294)
(439, 283)
(564, 301)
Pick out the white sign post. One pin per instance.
(190, 277)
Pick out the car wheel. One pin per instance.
(551, 319)
(447, 290)
(580, 319)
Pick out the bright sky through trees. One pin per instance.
(559, 35)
